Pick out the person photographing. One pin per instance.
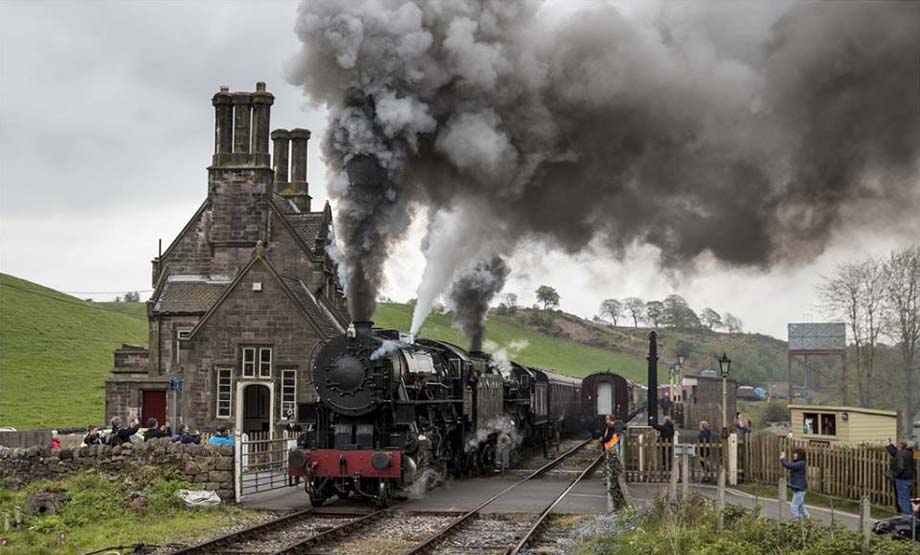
(798, 482)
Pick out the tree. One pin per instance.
(678, 314)
(548, 297)
(856, 292)
(654, 311)
(733, 323)
(711, 318)
(117, 299)
(612, 309)
(902, 297)
(636, 308)
(132, 297)
(511, 300)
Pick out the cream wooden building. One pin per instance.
(842, 425)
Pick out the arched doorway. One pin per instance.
(256, 408)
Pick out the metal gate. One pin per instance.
(261, 462)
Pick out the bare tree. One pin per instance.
(902, 297)
(733, 323)
(856, 292)
(511, 300)
(612, 309)
(711, 318)
(636, 308)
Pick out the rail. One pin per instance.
(443, 533)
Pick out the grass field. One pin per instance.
(56, 352)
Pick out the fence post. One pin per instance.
(733, 459)
(781, 496)
(237, 465)
(685, 466)
(833, 517)
(720, 502)
(864, 523)
(672, 491)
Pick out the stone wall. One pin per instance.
(206, 466)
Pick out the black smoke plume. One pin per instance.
(746, 131)
(470, 295)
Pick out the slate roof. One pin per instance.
(322, 318)
(190, 295)
(308, 225)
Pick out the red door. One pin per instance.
(153, 405)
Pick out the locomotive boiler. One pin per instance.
(390, 412)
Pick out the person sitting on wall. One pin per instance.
(92, 436)
(221, 437)
(187, 436)
(55, 441)
(154, 430)
(611, 435)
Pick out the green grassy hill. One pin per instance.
(56, 350)
(578, 347)
(56, 353)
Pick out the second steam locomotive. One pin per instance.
(391, 413)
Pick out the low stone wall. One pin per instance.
(209, 466)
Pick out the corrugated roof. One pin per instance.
(316, 312)
(189, 296)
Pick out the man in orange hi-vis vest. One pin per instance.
(611, 432)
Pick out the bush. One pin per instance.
(773, 411)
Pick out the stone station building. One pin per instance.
(244, 293)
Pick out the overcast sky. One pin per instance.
(106, 129)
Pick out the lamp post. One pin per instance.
(681, 358)
(725, 365)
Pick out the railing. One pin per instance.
(261, 462)
(839, 471)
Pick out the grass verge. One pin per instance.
(693, 529)
(97, 514)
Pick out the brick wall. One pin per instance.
(208, 466)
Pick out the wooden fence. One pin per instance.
(840, 471)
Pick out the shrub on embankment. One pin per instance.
(693, 530)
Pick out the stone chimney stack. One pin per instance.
(291, 146)
(241, 127)
(281, 147)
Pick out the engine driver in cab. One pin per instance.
(612, 432)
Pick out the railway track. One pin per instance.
(391, 531)
(475, 533)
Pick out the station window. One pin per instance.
(265, 362)
(249, 362)
(288, 392)
(224, 389)
(828, 424)
(810, 423)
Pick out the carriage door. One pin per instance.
(605, 398)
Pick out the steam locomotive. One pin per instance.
(393, 412)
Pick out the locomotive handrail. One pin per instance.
(440, 534)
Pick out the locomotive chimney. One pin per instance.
(363, 327)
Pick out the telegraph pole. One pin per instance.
(652, 378)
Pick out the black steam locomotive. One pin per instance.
(393, 412)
